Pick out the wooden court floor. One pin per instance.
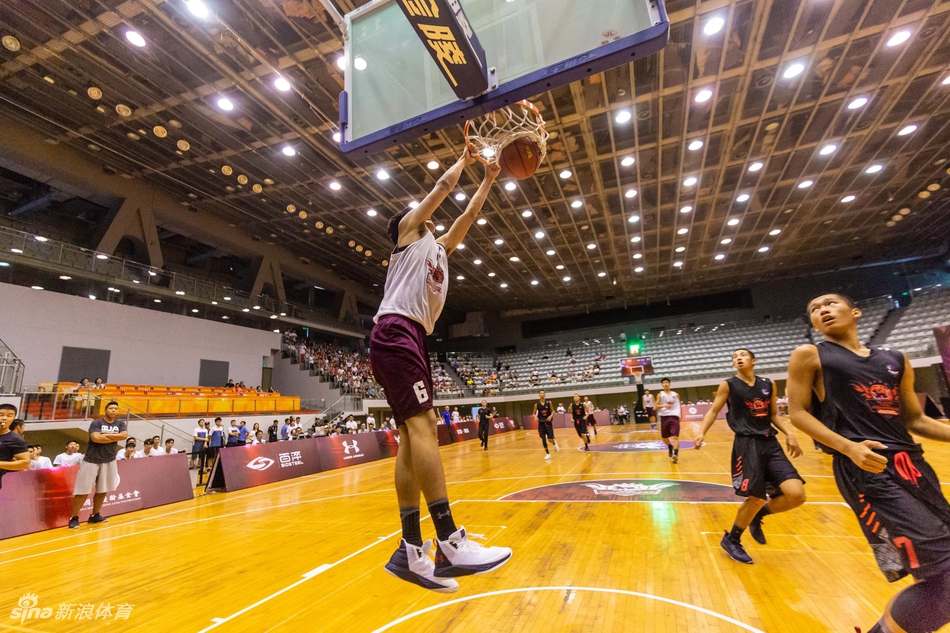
(308, 554)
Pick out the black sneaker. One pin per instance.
(755, 530)
(97, 518)
(74, 523)
(735, 550)
(587, 447)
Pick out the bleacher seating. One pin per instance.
(596, 364)
(913, 334)
(442, 381)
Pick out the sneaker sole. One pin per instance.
(436, 588)
(458, 572)
(73, 527)
(746, 562)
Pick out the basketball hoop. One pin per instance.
(637, 374)
(485, 139)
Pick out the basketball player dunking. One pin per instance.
(589, 410)
(579, 416)
(543, 411)
(669, 405)
(760, 469)
(868, 409)
(414, 296)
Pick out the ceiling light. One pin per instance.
(689, 182)
(226, 298)
(848, 199)
(794, 70)
(413, 204)
(335, 185)
(11, 43)
(49, 79)
(359, 63)
(565, 279)
(40, 238)
(526, 213)
(775, 231)
(703, 96)
(629, 160)
(460, 278)
(491, 274)
(461, 247)
(828, 149)
(577, 204)
(460, 196)
(514, 258)
(282, 84)
(101, 256)
(288, 151)
(898, 38)
(245, 310)
(638, 269)
(695, 145)
(439, 227)
(726, 241)
(591, 247)
(742, 197)
(857, 103)
(631, 193)
(539, 234)
(946, 82)
(733, 222)
(713, 25)
(135, 38)
(601, 274)
(341, 62)
(337, 137)
(683, 231)
(559, 267)
(805, 184)
(909, 129)
(382, 174)
(180, 292)
(499, 242)
(636, 238)
(488, 152)
(225, 104)
(36, 287)
(65, 277)
(4, 264)
(637, 255)
(371, 213)
(755, 167)
(503, 286)
(534, 282)
(680, 249)
(565, 174)
(678, 264)
(623, 116)
(197, 8)
(433, 164)
(157, 300)
(16, 250)
(225, 317)
(763, 249)
(195, 311)
(873, 169)
(477, 262)
(633, 218)
(481, 221)
(257, 307)
(549, 252)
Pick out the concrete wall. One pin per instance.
(147, 347)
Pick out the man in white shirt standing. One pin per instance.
(37, 461)
(351, 425)
(669, 406)
(71, 456)
(371, 422)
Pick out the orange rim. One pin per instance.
(471, 148)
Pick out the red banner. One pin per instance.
(36, 500)
(501, 425)
(465, 431)
(259, 464)
(388, 443)
(445, 434)
(346, 450)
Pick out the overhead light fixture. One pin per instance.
(16, 250)
(460, 196)
(946, 81)
(481, 221)
(873, 169)
(805, 184)
(703, 96)
(335, 185)
(695, 145)
(828, 149)
(907, 129)
(577, 204)
(337, 137)
(371, 213)
(514, 258)
(288, 151)
(775, 231)
(526, 213)
(565, 279)
(460, 247)
(565, 174)
(11, 43)
(195, 311)
(591, 247)
(680, 249)
(36, 287)
(627, 161)
(549, 252)
(635, 239)
(559, 267)
(341, 62)
(499, 242)
(226, 298)
(135, 38)
(510, 186)
(713, 25)
(245, 310)
(678, 264)
(157, 300)
(534, 282)
(413, 204)
(638, 269)
(742, 197)
(503, 286)
(848, 199)
(683, 231)
(899, 38)
(633, 219)
(601, 274)
(382, 174)
(491, 274)
(282, 84)
(198, 8)
(793, 70)
(631, 193)
(623, 116)
(860, 102)
(180, 293)
(763, 249)
(726, 240)
(477, 262)
(152, 273)
(733, 222)
(257, 307)
(689, 182)
(225, 104)
(439, 227)
(359, 63)
(433, 164)
(40, 238)
(65, 277)
(102, 256)
(754, 167)
(539, 235)
(720, 257)
(460, 277)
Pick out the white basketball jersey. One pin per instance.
(672, 399)
(417, 282)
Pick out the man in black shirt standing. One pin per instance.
(98, 470)
(14, 454)
(760, 470)
(485, 416)
(579, 416)
(543, 411)
(868, 410)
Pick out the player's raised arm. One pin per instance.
(463, 223)
(803, 368)
(414, 219)
(918, 423)
(722, 395)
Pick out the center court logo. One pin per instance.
(260, 463)
(629, 489)
(651, 446)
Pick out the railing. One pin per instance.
(81, 260)
(11, 370)
(344, 403)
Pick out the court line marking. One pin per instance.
(216, 622)
(623, 592)
(813, 503)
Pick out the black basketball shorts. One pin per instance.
(759, 466)
(546, 429)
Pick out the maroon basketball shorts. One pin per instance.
(669, 426)
(591, 420)
(400, 359)
(651, 412)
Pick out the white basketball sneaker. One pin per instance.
(548, 456)
(412, 564)
(459, 556)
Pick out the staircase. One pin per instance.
(885, 328)
(458, 379)
(293, 378)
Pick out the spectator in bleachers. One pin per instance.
(148, 450)
(128, 451)
(230, 384)
(351, 425)
(258, 437)
(560, 408)
(37, 461)
(370, 422)
(70, 457)
(169, 448)
(99, 384)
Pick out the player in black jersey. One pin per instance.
(868, 410)
(543, 412)
(579, 416)
(760, 470)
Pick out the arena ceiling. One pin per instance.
(768, 139)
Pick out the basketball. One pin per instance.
(520, 158)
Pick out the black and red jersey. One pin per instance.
(750, 407)
(544, 410)
(578, 412)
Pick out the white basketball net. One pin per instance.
(487, 137)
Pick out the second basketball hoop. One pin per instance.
(514, 137)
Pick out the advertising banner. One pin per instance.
(346, 450)
(388, 442)
(259, 464)
(465, 431)
(36, 500)
(501, 425)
